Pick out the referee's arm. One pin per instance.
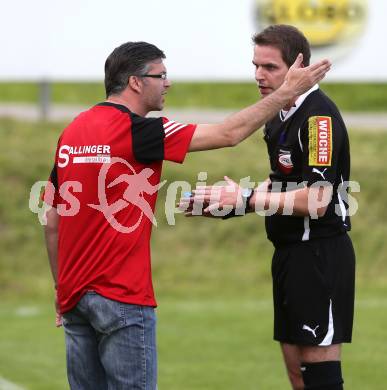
(309, 201)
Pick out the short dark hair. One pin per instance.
(289, 40)
(131, 58)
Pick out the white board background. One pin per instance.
(203, 39)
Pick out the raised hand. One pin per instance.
(299, 79)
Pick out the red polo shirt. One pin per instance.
(106, 174)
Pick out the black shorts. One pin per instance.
(313, 291)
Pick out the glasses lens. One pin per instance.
(156, 76)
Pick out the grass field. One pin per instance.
(204, 344)
(349, 97)
(211, 277)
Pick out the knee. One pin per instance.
(295, 378)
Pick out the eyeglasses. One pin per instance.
(156, 76)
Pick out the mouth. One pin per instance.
(264, 90)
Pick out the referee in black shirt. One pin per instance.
(313, 266)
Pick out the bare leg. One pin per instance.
(292, 357)
(320, 354)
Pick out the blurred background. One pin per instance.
(212, 278)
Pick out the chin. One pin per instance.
(263, 93)
(157, 108)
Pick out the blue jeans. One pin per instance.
(110, 345)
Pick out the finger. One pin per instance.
(186, 200)
(326, 62)
(319, 74)
(212, 206)
(202, 191)
(323, 64)
(206, 193)
(229, 181)
(298, 62)
(322, 74)
(206, 198)
(193, 215)
(209, 194)
(322, 69)
(184, 207)
(184, 203)
(201, 187)
(206, 188)
(207, 215)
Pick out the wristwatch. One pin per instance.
(247, 194)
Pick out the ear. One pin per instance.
(135, 84)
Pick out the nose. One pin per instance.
(167, 83)
(259, 75)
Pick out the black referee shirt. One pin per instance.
(308, 146)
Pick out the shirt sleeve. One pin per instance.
(177, 138)
(322, 138)
(156, 139)
(147, 139)
(51, 192)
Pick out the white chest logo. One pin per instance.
(83, 154)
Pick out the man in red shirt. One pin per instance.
(103, 190)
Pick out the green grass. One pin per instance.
(206, 344)
(349, 97)
(212, 277)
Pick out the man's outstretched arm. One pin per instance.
(51, 236)
(242, 124)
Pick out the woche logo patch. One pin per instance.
(320, 141)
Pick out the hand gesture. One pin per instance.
(213, 201)
(299, 79)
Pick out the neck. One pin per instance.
(133, 106)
